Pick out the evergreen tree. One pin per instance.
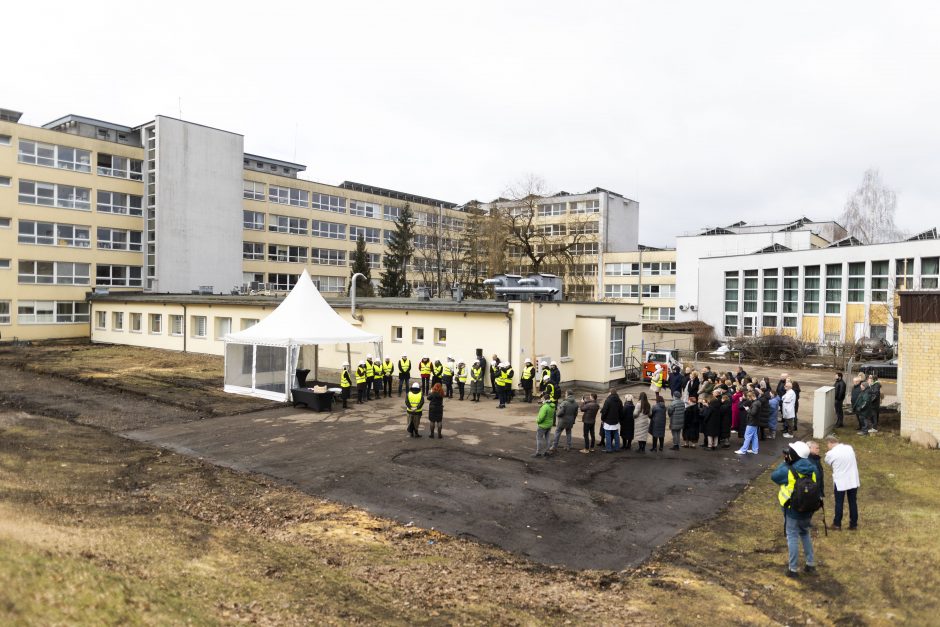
(361, 264)
(398, 253)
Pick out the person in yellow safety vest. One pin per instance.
(437, 372)
(503, 384)
(361, 382)
(510, 375)
(447, 376)
(404, 374)
(424, 369)
(545, 375)
(656, 381)
(388, 368)
(377, 378)
(527, 379)
(414, 402)
(476, 381)
(549, 388)
(370, 373)
(797, 524)
(345, 382)
(461, 377)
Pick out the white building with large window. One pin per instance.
(840, 293)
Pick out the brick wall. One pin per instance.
(919, 369)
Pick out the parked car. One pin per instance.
(769, 347)
(873, 348)
(887, 369)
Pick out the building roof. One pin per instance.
(390, 193)
(851, 240)
(741, 227)
(813, 250)
(928, 234)
(86, 120)
(9, 115)
(288, 164)
(773, 248)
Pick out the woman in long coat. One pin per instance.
(725, 435)
(690, 430)
(711, 422)
(658, 423)
(626, 422)
(436, 408)
(641, 422)
(691, 388)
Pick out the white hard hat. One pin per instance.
(503, 364)
(368, 356)
(345, 363)
(528, 361)
(404, 356)
(543, 363)
(554, 364)
(450, 358)
(800, 448)
(415, 386)
(425, 357)
(362, 362)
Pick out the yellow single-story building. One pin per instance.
(593, 342)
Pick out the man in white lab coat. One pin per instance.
(845, 477)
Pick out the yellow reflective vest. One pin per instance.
(414, 402)
(476, 373)
(370, 372)
(447, 370)
(404, 366)
(360, 375)
(461, 374)
(438, 371)
(528, 373)
(786, 490)
(344, 380)
(387, 368)
(425, 367)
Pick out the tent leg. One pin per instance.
(316, 362)
(348, 356)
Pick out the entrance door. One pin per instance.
(750, 325)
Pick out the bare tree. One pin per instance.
(869, 211)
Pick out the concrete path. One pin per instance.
(605, 511)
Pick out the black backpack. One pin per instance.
(805, 498)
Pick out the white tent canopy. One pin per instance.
(262, 360)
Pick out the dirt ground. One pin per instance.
(99, 529)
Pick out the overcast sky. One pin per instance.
(705, 112)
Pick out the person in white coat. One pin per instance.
(788, 404)
(845, 479)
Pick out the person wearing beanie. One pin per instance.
(796, 466)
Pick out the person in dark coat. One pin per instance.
(692, 385)
(856, 392)
(724, 434)
(610, 417)
(589, 409)
(691, 428)
(658, 423)
(711, 422)
(739, 377)
(436, 409)
(782, 384)
(840, 399)
(817, 460)
(626, 422)
(675, 381)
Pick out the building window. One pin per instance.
(176, 324)
(253, 220)
(198, 324)
(223, 326)
(253, 251)
(621, 291)
(879, 281)
(119, 239)
(325, 202)
(120, 167)
(659, 313)
(282, 282)
(440, 336)
(659, 291)
(811, 290)
(731, 291)
(584, 228)
(551, 209)
(731, 326)
(5, 181)
(53, 273)
(658, 268)
(329, 230)
(621, 269)
(750, 291)
(252, 190)
(5, 140)
(397, 334)
(5, 316)
(101, 319)
(769, 295)
(834, 288)
(52, 156)
(52, 195)
(369, 234)
(586, 206)
(51, 312)
(5, 264)
(247, 323)
(417, 335)
(51, 234)
(364, 209)
(929, 272)
(156, 323)
(117, 321)
(118, 276)
(390, 213)
(136, 322)
(287, 224)
(583, 248)
(328, 256)
(119, 203)
(879, 331)
(616, 347)
(856, 282)
(904, 274)
(5, 223)
(566, 345)
(289, 254)
(330, 284)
